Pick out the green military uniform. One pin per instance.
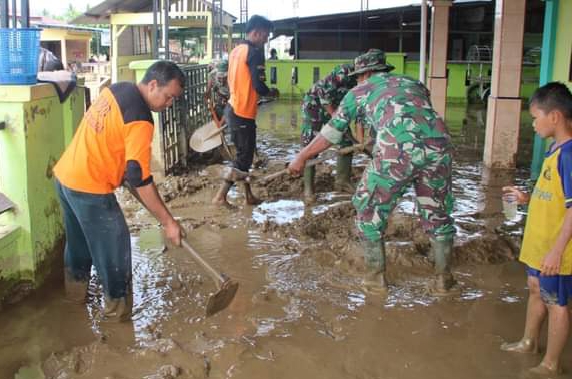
(412, 147)
(327, 91)
(219, 92)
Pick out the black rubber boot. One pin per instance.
(343, 181)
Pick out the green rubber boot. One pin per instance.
(344, 173)
(374, 258)
(442, 251)
(309, 185)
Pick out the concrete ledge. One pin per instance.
(22, 94)
(8, 236)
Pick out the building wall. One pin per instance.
(77, 51)
(37, 129)
(284, 69)
(563, 54)
(456, 90)
(77, 43)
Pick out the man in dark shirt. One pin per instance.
(246, 78)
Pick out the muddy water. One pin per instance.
(299, 312)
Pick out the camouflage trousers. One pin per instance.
(425, 164)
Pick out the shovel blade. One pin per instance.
(205, 138)
(222, 299)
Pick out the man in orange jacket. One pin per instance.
(113, 144)
(246, 78)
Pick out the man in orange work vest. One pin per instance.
(113, 144)
(246, 78)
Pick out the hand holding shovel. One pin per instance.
(233, 175)
(226, 288)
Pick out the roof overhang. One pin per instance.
(101, 13)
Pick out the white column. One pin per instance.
(504, 103)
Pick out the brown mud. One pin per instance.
(300, 311)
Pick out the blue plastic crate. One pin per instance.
(19, 58)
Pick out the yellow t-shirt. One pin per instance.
(550, 199)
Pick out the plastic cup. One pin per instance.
(509, 205)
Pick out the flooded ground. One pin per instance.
(299, 311)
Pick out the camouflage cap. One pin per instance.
(373, 60)
(222, 66)
(221, 69)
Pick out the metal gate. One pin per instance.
(187, 113)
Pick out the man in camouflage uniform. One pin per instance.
(217, 92)
(318, 105)
(412, 146)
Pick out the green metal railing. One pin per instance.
(187, 113)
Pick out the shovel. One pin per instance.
(232, 174)
(207, 137)
(226, 287)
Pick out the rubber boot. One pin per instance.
(374, 258)
(118, 310)
(75, 290)
(220, 196)
(344, 172)
(442, 251)
(309, 185)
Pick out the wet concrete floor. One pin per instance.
(299, 312)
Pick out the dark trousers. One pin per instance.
(243, 134)
(96, 233)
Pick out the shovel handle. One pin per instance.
(213, 273)
(218, 278)
(216, 132)
(312, 162)
(284, 171)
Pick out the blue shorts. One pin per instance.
(555, 289)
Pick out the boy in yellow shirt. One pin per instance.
(545, 248)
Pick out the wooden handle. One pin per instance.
(273, 176)
(213, 273)
(312, 162)
(218, 278)
(216, 132)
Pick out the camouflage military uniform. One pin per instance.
(327, 91)
(412, 147)
(219, 92)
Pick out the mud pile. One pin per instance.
(333, 229)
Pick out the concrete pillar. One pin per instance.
(64, 50)
(437, 81)
(209, 41)
(423, 43)
(504, 104)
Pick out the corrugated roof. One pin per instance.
(43, 25)
(100, 13)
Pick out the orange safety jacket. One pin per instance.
(246, 77)
(116, 129)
